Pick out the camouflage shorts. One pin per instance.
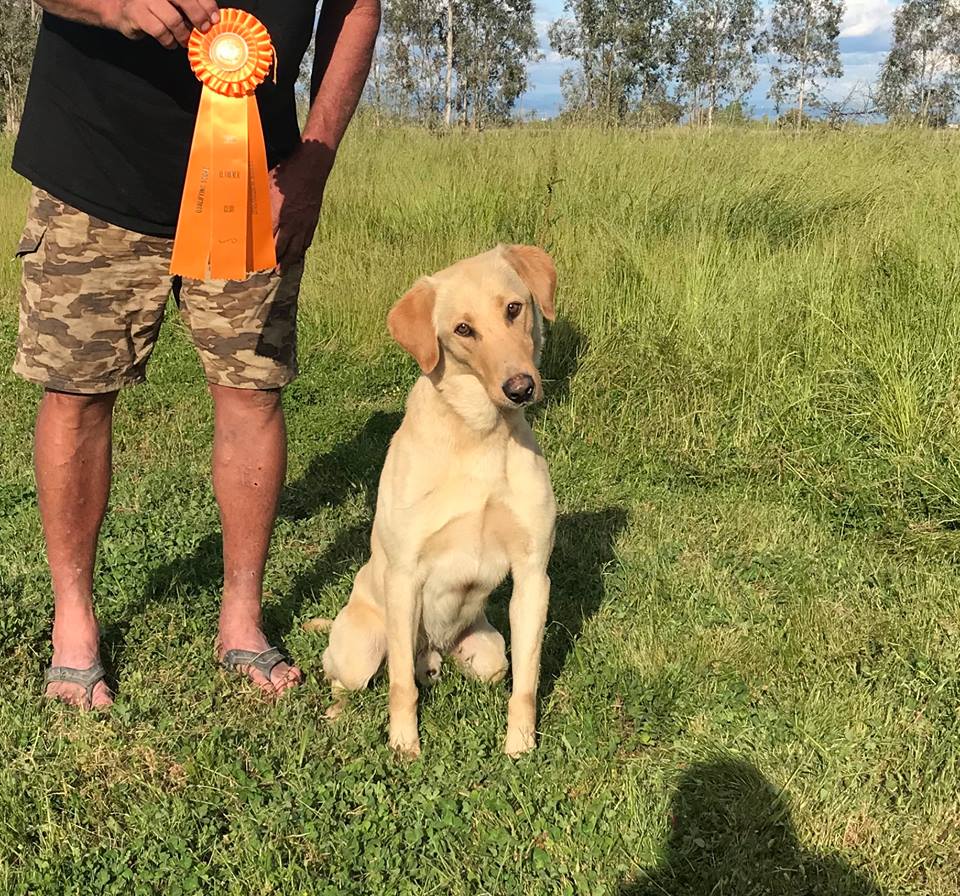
(93, 300)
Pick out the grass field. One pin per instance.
(751, 675)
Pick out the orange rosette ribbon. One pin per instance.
(225, 231)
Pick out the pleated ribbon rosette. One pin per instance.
(225, 229)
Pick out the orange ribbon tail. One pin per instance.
(225, 227)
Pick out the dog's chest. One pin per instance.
(472, 546)
(462, 563)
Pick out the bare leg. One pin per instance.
(249, 464)
(72, 459)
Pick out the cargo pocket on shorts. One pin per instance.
(30, 243)
(38, 220)
(31, 239)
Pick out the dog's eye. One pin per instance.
(514, 309)
(463, 330)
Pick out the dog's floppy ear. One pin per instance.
(538, 272)
(411, 323)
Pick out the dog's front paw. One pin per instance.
(405, 747)
(404, 738)
(521, 725)
(519, 741)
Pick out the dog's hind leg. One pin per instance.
(481, 652)
(357, 649)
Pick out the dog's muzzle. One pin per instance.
(520, 388)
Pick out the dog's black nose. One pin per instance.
(519, 389)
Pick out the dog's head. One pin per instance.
(482, 317)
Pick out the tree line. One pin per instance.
(465, 62)
(656, 61)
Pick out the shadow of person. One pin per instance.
(732, 833)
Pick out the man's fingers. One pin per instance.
(169, 17)
(293, 254)
(306, 241)
(202, 14)
(299, 249)
(156, 29)
(276, 202)
(292, 248)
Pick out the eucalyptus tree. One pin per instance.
(804, 40)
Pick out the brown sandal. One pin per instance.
(87, 679)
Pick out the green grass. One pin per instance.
(751, 671)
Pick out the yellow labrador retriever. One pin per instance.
(464, 497)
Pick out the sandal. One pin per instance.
(264, 661)
(87, 679)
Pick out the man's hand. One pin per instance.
(296, 195)
(169, 21)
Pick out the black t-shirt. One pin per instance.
(108, 121)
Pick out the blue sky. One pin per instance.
(864, 41)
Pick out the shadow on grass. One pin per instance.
(565, 345)
(329, 479)
(584, 549)
(350, 467)
(732, 832)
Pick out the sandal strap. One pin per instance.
(264, 661)
(87, 678)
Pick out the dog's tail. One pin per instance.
(320, 624)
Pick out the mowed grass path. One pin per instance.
(750, 680)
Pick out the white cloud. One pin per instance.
(863, 17)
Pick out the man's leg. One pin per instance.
(72, 456)
(249, 465)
